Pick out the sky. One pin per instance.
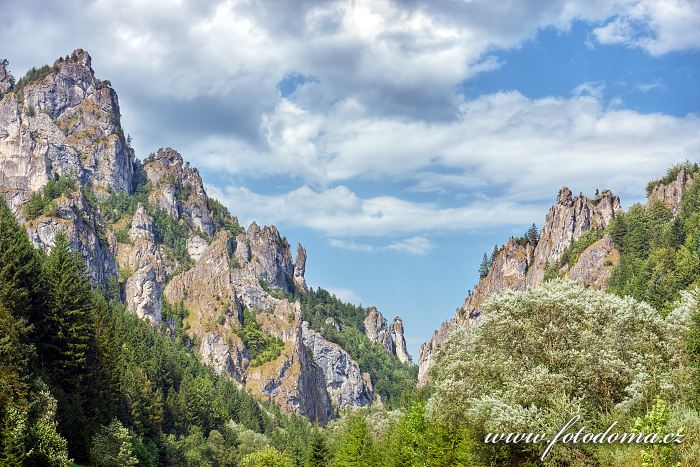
(397, 140)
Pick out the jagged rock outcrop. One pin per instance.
(6, 78)
(74, 217)
(519, 266)
(300, 267)
(264, 254)
(389, 336)
(400, 350)
(671, 194)
(61, 120)
(177, 188)
(595, 264)
(145, 267)
(566, 220)
(345, 383)
(376, 329)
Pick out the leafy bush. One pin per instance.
(541, 356)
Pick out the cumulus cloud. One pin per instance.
(527, 147)
(656, 26)
(340, 213)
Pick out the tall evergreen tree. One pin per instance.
(20, 267)
(484, 267)
(66, 323)
(533, 235)
(318, 453)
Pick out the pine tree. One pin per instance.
(318, 453)
(355, 446)
(484, 267)
(533, 235)
(20, 268)
(16, 353)
(66, 324)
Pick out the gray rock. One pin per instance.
(344, 380)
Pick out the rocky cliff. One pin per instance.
(671, 193)
(389, 336)
(61, 120)
(519, 264)
(151, 230)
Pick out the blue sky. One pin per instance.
(397, 141)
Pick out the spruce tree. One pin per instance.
(20, 268)
(484, 267)
(318, 453)
(533, 235)
(66, 322)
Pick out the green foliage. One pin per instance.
(318, 454)
(541, 356)
(656, 421)
(354, 448)
(261, 346)
(660, 254)
(672, 173)
(173, 235)
(484, 267)
(269, 457)
(223, 220)
(34, 75)
(112, 446)
(391, 378)
(42, 203)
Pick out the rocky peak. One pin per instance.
(61, 120)
(389, 336)
(300, 267)
(266, 255)
(671, 194)
(6, 79)
(566, 220)
(178, 189)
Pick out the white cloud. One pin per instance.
(651, 86)
(345, 294)
(525, 147)
(414, 245)
(657, 26)
(589, 88)
(340, 213)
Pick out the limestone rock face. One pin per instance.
(595, 265)
(389, 336)
(517, 266)
(6, 79)
(63, 121)
(144, 287)
(81, 225)
(565, 222)
(177, 188)
(263, 253)
(344, 380)
(397, 333)
(671, 194)
(300, 267)
(196, 246)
